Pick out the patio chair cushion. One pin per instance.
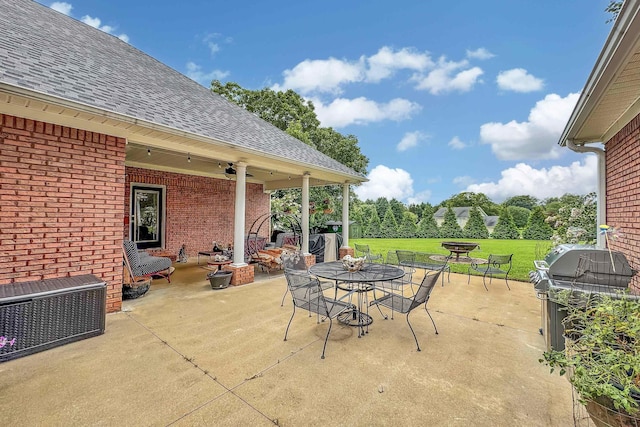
(143, 264)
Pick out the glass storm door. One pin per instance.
(147, 216)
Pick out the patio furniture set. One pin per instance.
(390, 279)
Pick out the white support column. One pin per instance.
(305, 213)
(345, 215)
(238, 228)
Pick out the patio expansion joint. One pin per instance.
(228, 390)
(475, 319)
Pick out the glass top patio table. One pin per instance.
(359, 282)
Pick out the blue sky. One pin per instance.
(444, 97)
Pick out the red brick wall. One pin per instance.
(199, 210)
(62, 192)
(623, 191)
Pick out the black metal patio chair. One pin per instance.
(434, 262)
(295, 261)
(307, 295)
(496, 265)
(406, 305)
(364, 251)
(397, 284)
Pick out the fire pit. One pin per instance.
(459, 248)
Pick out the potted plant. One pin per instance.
(312, 207)
(219, 279)
(602, 355)
(136, 287)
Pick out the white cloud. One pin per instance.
(194, 72)
(321, 75)
(342, 112)
(62, 7)
(213, 47)
(480, 53)
(577, 178)
(385, 62)
(96, 23)
(410, 140)
(463, 181)
(519, 80)
(536, 138)
(386, 182)
(446, 77)
(212, 41)
(421, 197)
(457, 144)
(329, 75)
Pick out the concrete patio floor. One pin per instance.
(185, 355)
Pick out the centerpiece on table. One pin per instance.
(352, 264)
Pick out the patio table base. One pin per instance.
(355, 318)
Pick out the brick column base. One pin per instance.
(344, 251)
(241, 275)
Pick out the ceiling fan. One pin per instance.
(230, 170)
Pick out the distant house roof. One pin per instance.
(54, 58)
(491, 221)
(460, 212)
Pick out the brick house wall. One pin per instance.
(623, 192)
(62, 192)
(199, 210)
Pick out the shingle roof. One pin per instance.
(460, 212)
(45, 51)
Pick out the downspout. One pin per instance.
(601, 190)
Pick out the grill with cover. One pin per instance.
(581, 269)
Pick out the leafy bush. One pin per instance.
(603, 356)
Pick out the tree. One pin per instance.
(450, 227)
(418, 209)
(382, 204)
(528, 202)
(427, 227)
(389, 226)
(281, 109)
(468, 198)
(408, 228)
(398, 209)
(614, 9)
(520, 215)
(575, 220)
(340, 147)
(505, 228)
(475, 227)
(537, 228)
(373, 224)
(293, 114)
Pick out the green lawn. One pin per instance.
(524, 251)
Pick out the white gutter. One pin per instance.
(601, 190)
